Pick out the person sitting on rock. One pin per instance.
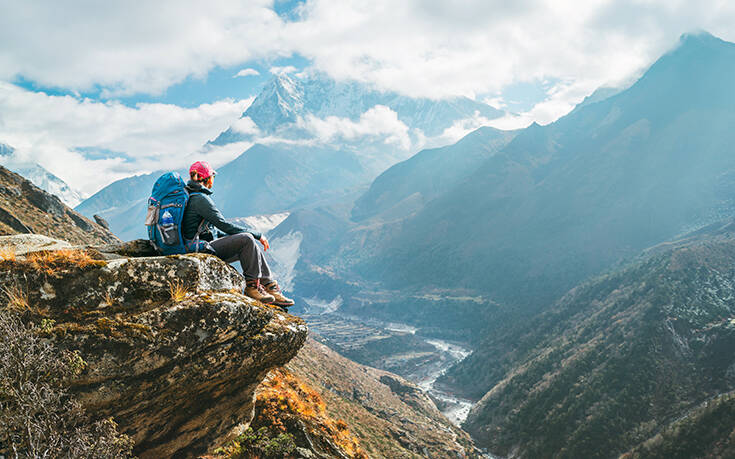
(200, 218)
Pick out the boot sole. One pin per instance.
(283, 305)
(261, 301)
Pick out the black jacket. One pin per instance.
(201, 207)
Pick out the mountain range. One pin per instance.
(286, 101)
(547, 253)
(548, 208)
(308, 139)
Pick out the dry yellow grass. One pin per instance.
(283, 394)
(51, 260)
(177, 290)
(7, 254)
(108, 300)
(17, 299)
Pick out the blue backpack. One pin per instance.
(165, 212)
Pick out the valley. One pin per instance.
(398, 349)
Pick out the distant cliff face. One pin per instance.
(25, 208)
(173, 350)
(614, 361)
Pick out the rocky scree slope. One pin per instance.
(291, 420)
(616, 360)
(322, 405)
(25, 208)
(173, 351)
(391, 417)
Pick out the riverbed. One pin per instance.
(421, 360)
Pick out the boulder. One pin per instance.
(44, 201)
(101, 221)
(172, 350)
(135, 248)
(13, 223)
(21, 244)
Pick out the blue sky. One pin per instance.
(219, 83)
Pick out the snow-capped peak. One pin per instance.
(39, 176)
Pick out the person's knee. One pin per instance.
(246, 239)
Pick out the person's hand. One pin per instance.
(264, 241)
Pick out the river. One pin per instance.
(350, 331)
(454, 408)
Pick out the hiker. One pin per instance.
(200, 218)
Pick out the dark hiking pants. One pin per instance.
(245, 248)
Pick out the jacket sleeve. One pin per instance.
(207, 210)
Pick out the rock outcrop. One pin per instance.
(101, 221)
(172, 349)
(25, 208)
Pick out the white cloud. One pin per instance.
(49, 130)
(459, 129)
(245, 126)
(476, 47)
(496, 102)
(378, 123)
(561, 99)
(218, 155)
(128, 47)
(415, 47)
(275, 70)
(246, 72)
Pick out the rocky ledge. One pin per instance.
(172, 350)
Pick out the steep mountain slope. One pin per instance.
(391, 417)
(564, 201)
(117, 195)
(25, 208)
(705, 432)
(321, 405)
(39, 176)
(407, 186)
(271, 179)
(615, 360)
(332, 238)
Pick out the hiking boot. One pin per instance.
(280, 300)
(254, 290)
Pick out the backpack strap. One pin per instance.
(201, 226)
(196, 236)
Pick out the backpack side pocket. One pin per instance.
(151, 217)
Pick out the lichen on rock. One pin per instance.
(177, 374)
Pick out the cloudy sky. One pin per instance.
(95, 91)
